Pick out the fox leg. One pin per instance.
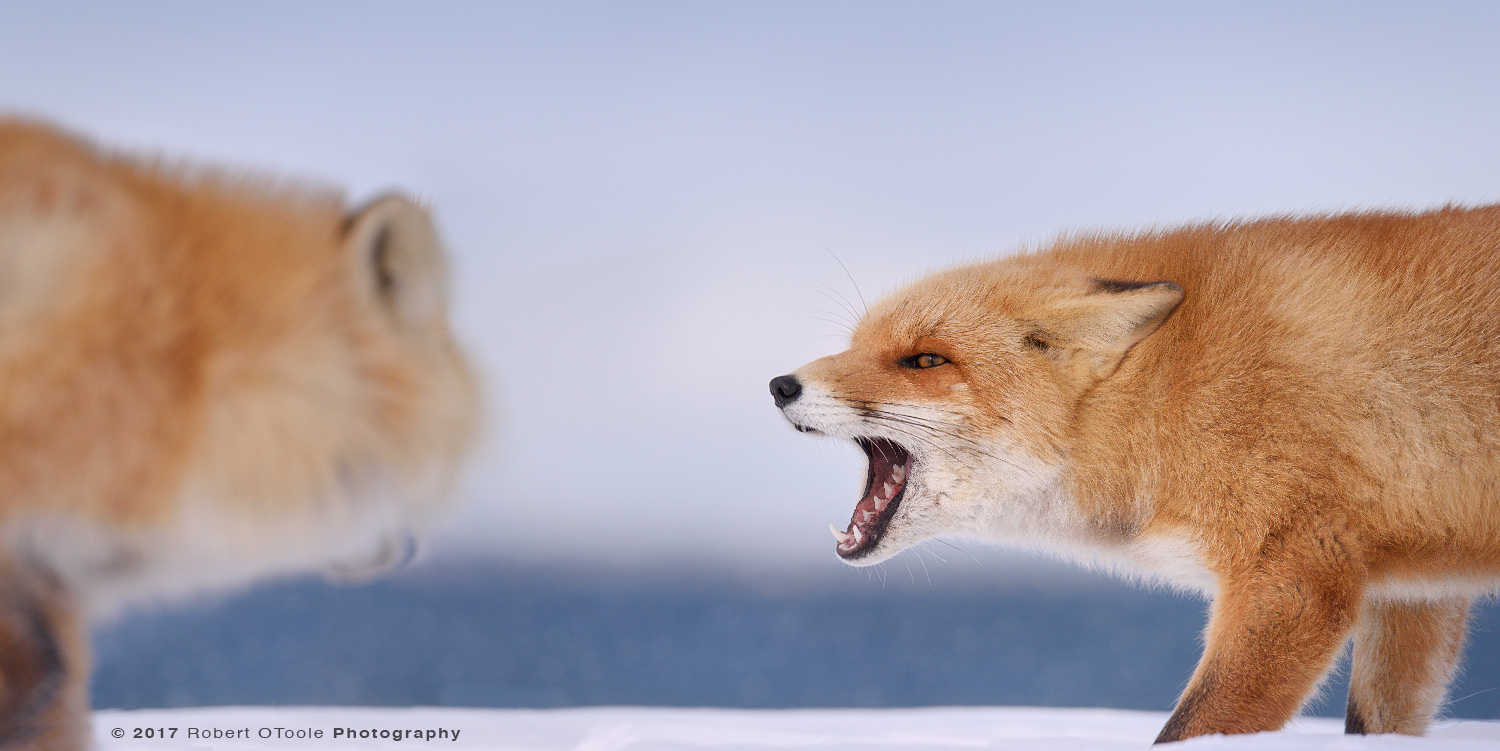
(1405, 654)
(43, 669)
(1277, 626)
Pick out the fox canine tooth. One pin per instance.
(842, 537)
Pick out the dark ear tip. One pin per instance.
(385, 205)
(1116, 286)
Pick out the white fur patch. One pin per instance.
(1171, 560)
(991, 491)
(1442, 588)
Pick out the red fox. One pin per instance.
(203, 380)
(1297, 416)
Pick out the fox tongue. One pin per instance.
(887, 477)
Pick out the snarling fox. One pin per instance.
(1299, 417)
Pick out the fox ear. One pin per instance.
(398, 259)
(1107, 321)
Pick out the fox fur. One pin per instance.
(204, 379)
(1298, 416)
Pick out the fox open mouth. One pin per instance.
(889, 466)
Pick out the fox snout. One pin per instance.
(785, 390)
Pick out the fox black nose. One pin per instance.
(785, 390)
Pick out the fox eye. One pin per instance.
(923, 361)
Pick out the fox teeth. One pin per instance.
(859, 536)
(887, 491)
(898, 472)
(842, 537)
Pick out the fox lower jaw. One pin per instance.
(1024, 505)
(1008, 506)
(206, 548)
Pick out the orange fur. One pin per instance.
(1300, 416)
(203, 381)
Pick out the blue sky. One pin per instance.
(644, 200)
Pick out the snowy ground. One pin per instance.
(637, 729)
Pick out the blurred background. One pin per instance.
(655, 207)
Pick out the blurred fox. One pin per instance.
(1297, 416)
(204, 379)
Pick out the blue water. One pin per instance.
(497, 636)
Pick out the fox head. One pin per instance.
(205, 377)
(960, 389)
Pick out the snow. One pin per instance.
(679, 729)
